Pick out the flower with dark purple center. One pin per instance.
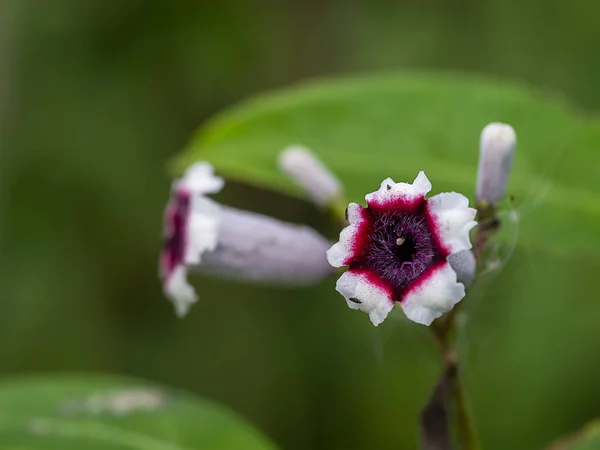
(397, 250)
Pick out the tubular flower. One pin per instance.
(205, 236)
(397, 250)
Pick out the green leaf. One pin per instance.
(370, 128)
(588, 438)
(107, 412)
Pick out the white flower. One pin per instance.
(203, 235)
(397, 250)
(496, 151)
(301, 165)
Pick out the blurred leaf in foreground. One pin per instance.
(106, 412)
(588, 438)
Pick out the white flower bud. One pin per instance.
(496, 151)
(464, 264)
(302, 166)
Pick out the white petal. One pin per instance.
(391, 192)
(200, 179)
(453, 219)
(374, 300)
(202, 233)
(339, 254)
(179, 291)
(422, 183)
(433, 296)
(355, 213)
(303, 166)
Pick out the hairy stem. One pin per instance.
(466, 429)
(435, 427)
(450, 384)
(455, 391)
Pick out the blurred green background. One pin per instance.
(96, 96)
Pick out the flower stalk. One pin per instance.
(467, 435)
(488, 224)
(497, 147)
(466, 429)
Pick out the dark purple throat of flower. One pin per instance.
(398, 246)
(176, 218)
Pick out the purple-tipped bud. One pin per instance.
(202, 235)
(308, 172)
(496, 151)
(464, 264)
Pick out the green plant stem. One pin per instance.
(442, 329)
(466, 430)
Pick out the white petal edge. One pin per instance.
(355, 213)
(390, 191)
(373, 300)
(179, 291)
(434, 296)
(200, 179)
(453, 218)
(422, 183)
(202, 233)
(339, 252)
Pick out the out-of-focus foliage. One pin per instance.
(588, 438)
(103, 412)
(370, 128)
(97, 95)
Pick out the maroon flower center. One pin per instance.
(398, 247)
(174, 239)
